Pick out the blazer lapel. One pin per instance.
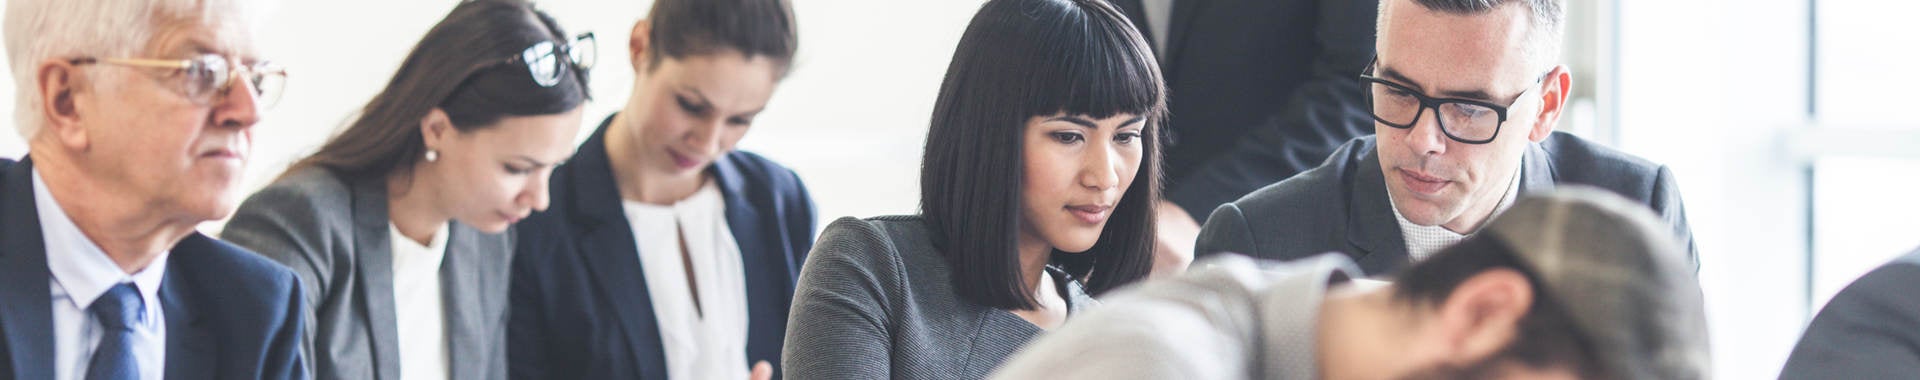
(762, 260)
(26, 323)
(612, 256)
(1184, 12)
(190, 350)
(1371, 228)
(1537, 173)
(375, 264)
(463, 285)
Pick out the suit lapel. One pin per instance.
(1371, 228)
(26, 323)
(1184, 12)
(375, 264)
(1537, 173)
(190, 344)
(613, 258)
(462, 284)
(762, 260)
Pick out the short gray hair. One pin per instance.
(40, 30)
(1548, 19)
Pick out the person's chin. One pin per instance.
(1078, 241)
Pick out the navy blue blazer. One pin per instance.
(580, 305)
(231, 314)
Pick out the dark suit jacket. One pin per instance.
(1258, 90)
(334, 233)
(581, 309)
(1870, 330)
(230, 314)
(1342, 205)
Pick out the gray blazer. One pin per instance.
(1870, 330)
(876, 301)
(1342, 206)
(333, 233)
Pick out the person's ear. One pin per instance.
(437, 129)
(1482, 315)
(637, 44)
(60, 85)
(1553, 101)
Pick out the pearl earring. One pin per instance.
(432, 155)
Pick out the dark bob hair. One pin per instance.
(1019, 59)
(461, 67)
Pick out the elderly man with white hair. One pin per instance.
(138, 117)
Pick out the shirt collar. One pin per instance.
(79, 265)
(1423, 241)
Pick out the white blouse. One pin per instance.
(710, 343)
(419, 308)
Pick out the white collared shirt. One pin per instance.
(419, 309)
(712, 343)
(1424, 241)
(81, 273)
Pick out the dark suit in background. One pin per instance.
(581, 309)
(1342, 205)
(1258, 90)
(230, 314)
(1871, 330)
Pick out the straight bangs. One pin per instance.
(1019, 59)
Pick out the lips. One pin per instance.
(511, 218)
(1090, 214)
(222, 153)
(682, 161)
(1421, 182)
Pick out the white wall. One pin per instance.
(1709, 87)
(851, 119)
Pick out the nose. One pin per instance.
(1101, 170)
(535, 195)
(1426, 137)
(238, 107)
(706, 137)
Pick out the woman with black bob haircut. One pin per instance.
(395, 226)
(1041, 168)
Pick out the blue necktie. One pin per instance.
(118, 311)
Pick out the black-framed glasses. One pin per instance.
(1465, 120)
(544, 62)
(207, 79)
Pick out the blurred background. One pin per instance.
(1786, 121)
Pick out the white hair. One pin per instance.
(41, 30)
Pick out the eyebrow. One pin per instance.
(536, 163)
(1396, 76)
(1083, 122)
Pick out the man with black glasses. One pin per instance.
(1465, 95)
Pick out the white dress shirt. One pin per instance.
(81, 273)
(419, 309)
(1424, 241)
(710, 343)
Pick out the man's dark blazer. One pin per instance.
(581, 308)
(1258, 90)
(231, 314)
(1870, 330)
(1342, 205)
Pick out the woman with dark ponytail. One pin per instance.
(396, 226)
(669, 254)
